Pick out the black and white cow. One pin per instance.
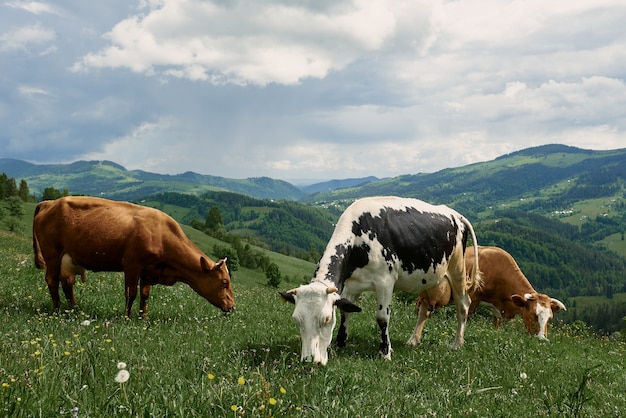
(383, 244)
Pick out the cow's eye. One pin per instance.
(225, 284)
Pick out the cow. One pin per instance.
(382, 244)
(504, 288)
(78, 233)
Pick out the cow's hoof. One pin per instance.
(456, 345)
(413, 342)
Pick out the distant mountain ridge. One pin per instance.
(509, 177)
(113, 181)
(326, 186)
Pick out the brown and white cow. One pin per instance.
(383, 244)
(504, 288)
(78, 233)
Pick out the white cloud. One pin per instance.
(35, 7)
(259, 42)
(26, 36)
(30, 91)
(137, 148)
(313, 88)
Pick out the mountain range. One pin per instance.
(509, 177)
(111, 180)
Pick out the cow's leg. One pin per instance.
(67, 283)
(52, 280)
(423, 312)
(342, 334)
(462, 301)
(497, 317)
(383, 313)
(131, 281)
(143, 298)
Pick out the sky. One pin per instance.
(308, 89)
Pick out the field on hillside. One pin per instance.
(189, 359)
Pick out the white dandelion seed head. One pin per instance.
(86, 323)
(121, 365)
(523, 376)
(122, 376)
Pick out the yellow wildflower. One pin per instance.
(241, 380)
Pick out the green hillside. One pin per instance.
(111, 180)
(542, 179)
(282, 226)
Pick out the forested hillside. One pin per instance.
(283, 226)
(555, 174)
(556, 257)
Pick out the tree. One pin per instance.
(213, 219)
(11, 188)
(4, 182)
(226, 251)
(16, 212)
(50, 193)
(23, 191)
(273, 275)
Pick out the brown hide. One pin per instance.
(74, 234)
(503, 278)
(504, 286)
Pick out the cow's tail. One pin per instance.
(474, 281)
(40, 263)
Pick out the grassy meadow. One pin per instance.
(187, 359)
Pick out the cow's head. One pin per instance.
(315, 314)
(214, 284)
(537, 311)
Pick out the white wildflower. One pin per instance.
(523, 376)
(122, 376)
(86, 323)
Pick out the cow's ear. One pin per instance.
(519, 300)
(204, 264)
(347, 306)
(287, 297)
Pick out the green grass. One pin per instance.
(188, 359)
(615, 243)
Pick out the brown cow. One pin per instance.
(504, 288)
(75, 233)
